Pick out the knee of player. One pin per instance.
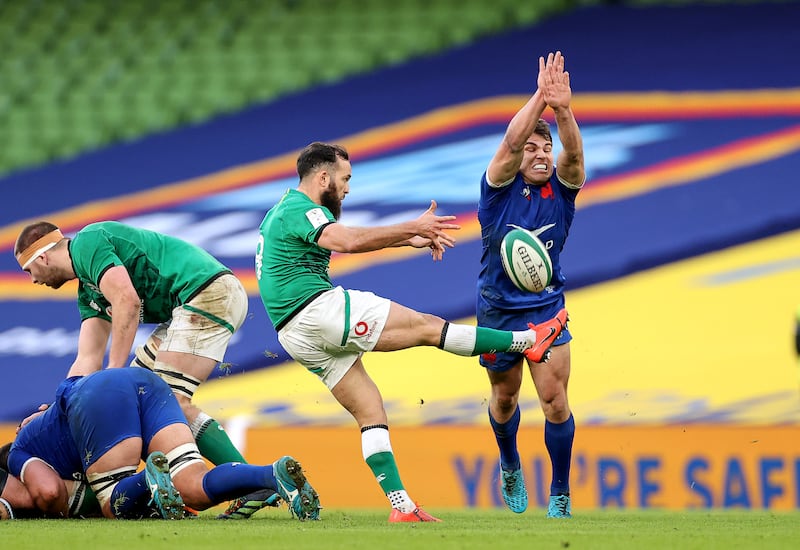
(554, 403)
(428, 328)
(188, 469)
(506, 403)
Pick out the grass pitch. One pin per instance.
(461, 529)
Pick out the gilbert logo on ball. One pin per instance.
(526, 261)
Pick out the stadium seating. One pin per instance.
(80, 74)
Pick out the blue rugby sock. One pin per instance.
(506, 436)
(558, 440)
(130, 497)
(232, 480)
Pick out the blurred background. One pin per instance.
(682, 265)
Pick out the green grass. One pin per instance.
(461, 529)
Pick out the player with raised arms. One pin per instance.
(524, 187)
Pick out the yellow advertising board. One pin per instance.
(670, 467)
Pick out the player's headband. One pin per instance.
(38, 247)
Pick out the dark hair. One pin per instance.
(543, 129)
(32, 233)
(314, 155)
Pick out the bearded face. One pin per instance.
(330, 199)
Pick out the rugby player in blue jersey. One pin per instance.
(102, 425)
(523, 186)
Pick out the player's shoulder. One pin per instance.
(101, 227)
(93, 234)
(557, 179)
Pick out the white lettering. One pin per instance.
(259, 255)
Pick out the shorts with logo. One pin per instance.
(329, 335)
(204, 325)
(510, 319)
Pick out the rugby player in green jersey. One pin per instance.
(328, 329)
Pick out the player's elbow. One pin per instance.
(50, 497)
(348, 247)
(126, 304)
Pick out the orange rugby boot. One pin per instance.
(543, 335)
(417, 515)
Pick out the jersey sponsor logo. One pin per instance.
(549, 243)
(93, 287)
(547, 192)
(317, 217)
(537, 232)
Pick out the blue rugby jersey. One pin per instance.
(48, 437)
(547, 211)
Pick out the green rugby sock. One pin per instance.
(215, 445)
(384, 468)
(83, 503)
(489, 340)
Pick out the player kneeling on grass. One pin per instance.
(105, 423)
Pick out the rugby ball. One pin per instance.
(526, 261)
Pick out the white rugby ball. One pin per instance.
(526, 261)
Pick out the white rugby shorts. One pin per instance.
(198, 333)
(333, 331)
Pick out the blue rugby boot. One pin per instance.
(165, 496)
(515, 495)
(295, 490)
(560, 507)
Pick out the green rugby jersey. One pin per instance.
(291, 267)
(165, 271)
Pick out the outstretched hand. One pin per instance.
(431, 232)
(553, 81)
